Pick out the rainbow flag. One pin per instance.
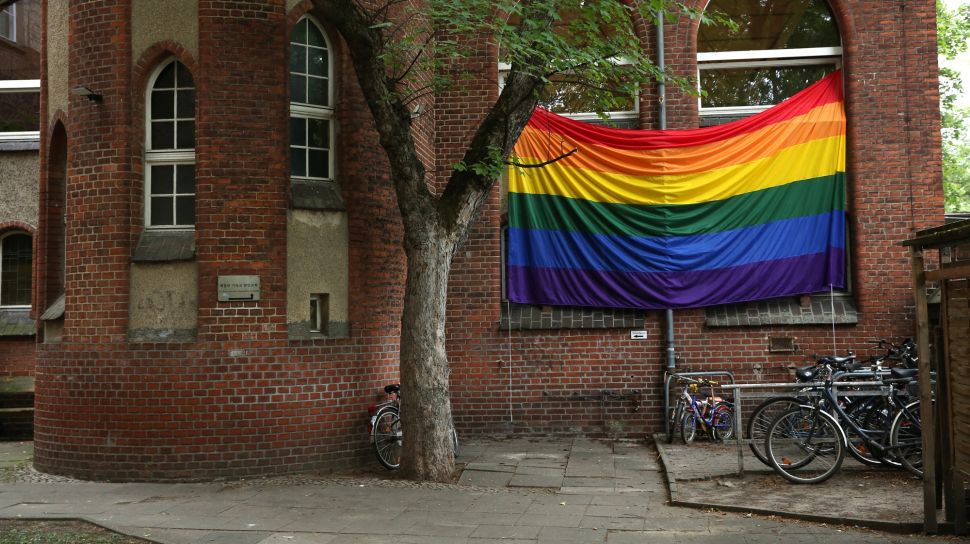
(749, 210)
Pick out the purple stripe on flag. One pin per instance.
(812, 273)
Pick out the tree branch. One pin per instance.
(544, 163)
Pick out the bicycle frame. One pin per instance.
(827, 394)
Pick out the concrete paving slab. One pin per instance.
(490, 467)
(296, 538)
(584, 481)
(504, 532)
(618, 524)
(526, 480)
(572, 535)
(485, 478)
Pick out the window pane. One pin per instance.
(184, 76)
(757, 86)
(298, 59)
(185, 179)
(6, 23)
(319, 133)
(162, 179)
(319, 164)
(19, 112)
(15, 262)
(185, 210)
(297, 162)
(163, 135)
(318, 92)
(769, 24)
(297, 88)
(161, 210)
(297, 131)
(314, 37)
(318, 62)
(186, 134)
(565, 97)
(166, 79)
(299, 32)
(186, 104)
(163, 104)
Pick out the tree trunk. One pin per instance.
(425, 401)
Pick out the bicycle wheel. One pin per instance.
(722, 424)
(387, 437)
(906, 438)
(688, 426)
(871, 415)
(805, 445)
(673, 422)
(760, 420)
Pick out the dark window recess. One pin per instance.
(526, 317)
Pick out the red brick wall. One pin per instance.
(244, 400)
(18, 356)
(896, 189)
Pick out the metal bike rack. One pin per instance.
(670, 377)
(738, 388)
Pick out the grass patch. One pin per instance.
(59, 532)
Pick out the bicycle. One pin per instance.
(861, 410)
(710, 414)
(386, 433)
(809, 434)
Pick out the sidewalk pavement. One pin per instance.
(512, 491)
(706, 475)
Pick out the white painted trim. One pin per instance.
(19, 85)
(735, 110)
(769, 54)
(814, 61)
(28, 136)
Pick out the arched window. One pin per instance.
(15, 261)
(311, 103)
(170, 149)
(778, 48)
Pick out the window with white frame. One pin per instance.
(15, 262)
(568, 97)
(8, 22)
(170, 149)
(778, 48)
(311, 103)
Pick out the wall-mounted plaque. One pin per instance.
(238, 288)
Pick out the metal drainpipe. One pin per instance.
(662, 100)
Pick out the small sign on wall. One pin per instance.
(238, 288)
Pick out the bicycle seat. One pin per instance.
(903, 374)
(394, 388)
(853, 366)
(806, 373)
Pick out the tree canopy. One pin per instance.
(953, 28)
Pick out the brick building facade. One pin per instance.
(148, 369)
(19, 143)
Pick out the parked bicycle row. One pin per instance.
(864, 407)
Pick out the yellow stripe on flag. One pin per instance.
(804, 161)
